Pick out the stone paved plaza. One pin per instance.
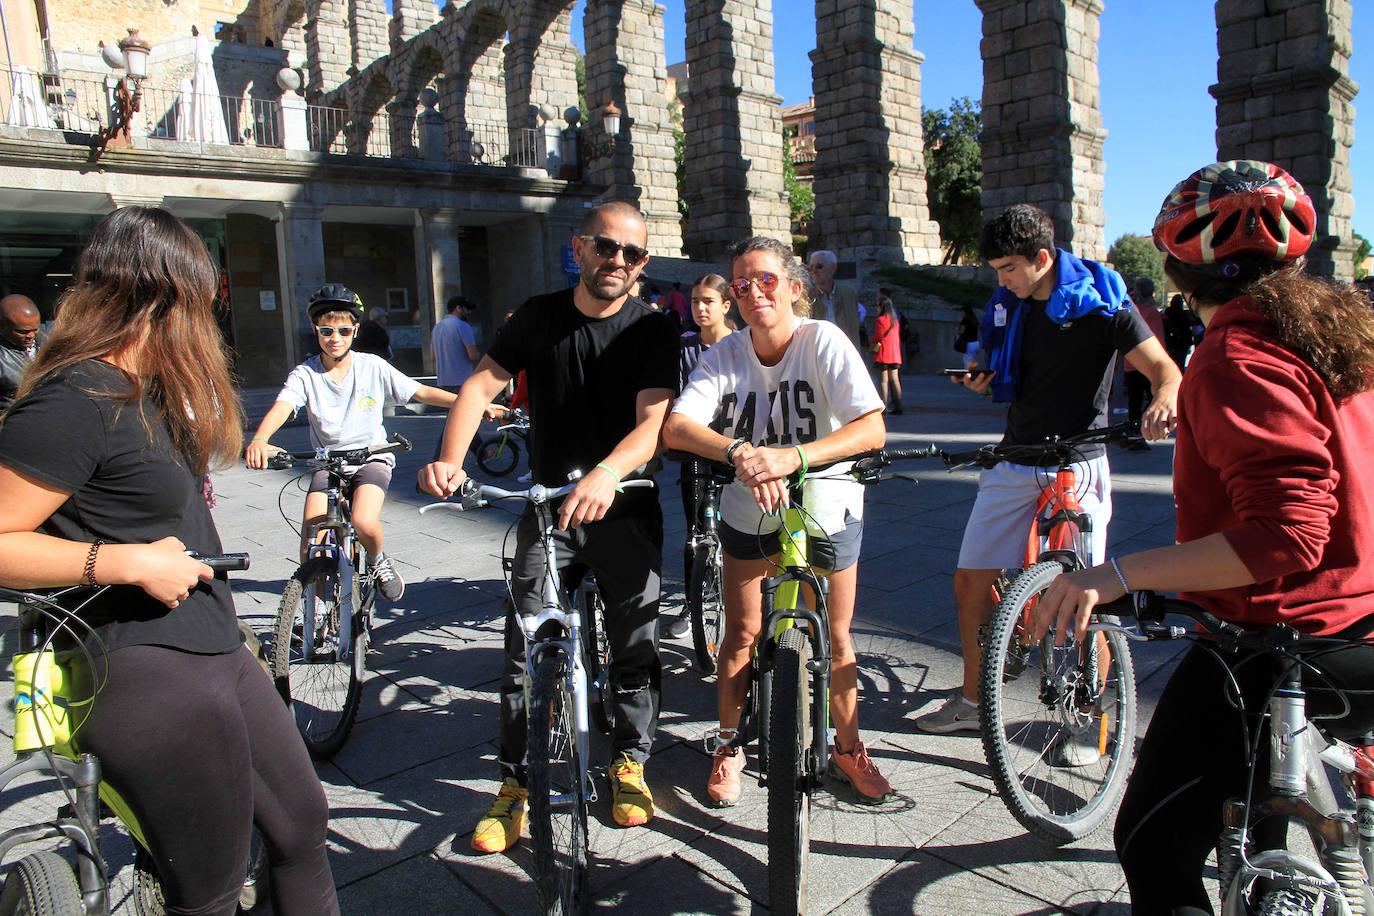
(418, 769)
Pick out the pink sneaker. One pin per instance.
(858, 769)
(724, 787)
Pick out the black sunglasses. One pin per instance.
(323, 331)
(607, 248)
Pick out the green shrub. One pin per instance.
(956, 292)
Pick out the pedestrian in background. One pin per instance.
(373, 336)
(454, 345)
(19, 333)
(1137, 383)
(887, 354)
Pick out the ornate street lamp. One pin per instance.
(134, 53)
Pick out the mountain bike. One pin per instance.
(1304, 756)
(789, 695)
(498, 455)
(563, 662)
(319, 647)
(705, 595)
(56, 683)
(1058, 722)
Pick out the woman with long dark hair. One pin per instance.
(128, 404)
(1274, 484)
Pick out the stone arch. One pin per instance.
(367, 138)
(289, 29)
(423, 68)
(476, 117)
(541, 61)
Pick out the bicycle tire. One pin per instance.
(323, 692)
(1290, 902)
(706, 606)
(149, 899)
(496, 458)
(41, 884)
(557, 793)
(789, 781)
(1029, 715)
(596, 650)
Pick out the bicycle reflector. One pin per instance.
(39, 719)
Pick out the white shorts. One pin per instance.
(995, 537)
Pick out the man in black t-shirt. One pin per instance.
(601, 367)
(1050, 336)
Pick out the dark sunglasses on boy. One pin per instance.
(346, 331)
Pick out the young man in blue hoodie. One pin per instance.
(1050, 337)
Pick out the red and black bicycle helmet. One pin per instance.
(335, 297)
(1234, 209)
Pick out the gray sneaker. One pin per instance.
(1075, 751)
(955, 715)
(389, 581)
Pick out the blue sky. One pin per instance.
(1156, 60)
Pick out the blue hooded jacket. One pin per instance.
(1081, 287)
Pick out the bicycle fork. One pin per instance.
(337, 549)
(818, 634)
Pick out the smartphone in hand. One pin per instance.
(960, 373)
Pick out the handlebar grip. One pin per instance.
(224, 562)
(907, 453)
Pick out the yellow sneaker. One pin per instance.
(632, 804)
(500, 829)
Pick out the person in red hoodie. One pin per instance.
(1274, 484)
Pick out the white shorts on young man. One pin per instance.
(995, 537)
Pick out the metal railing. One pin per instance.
(83, 103)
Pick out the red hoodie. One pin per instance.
(1267, 457)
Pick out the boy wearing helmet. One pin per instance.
(1050, 337)
(343, 392)
(1274, 488)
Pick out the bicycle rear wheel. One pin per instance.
(789, 776)
(706, 605)
(498, 456)
(322, 687)
(557, 791)
(1059, 735)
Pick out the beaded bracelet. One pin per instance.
(88, 575)
(1120, 576)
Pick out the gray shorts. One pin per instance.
(377, 473)
(839, 551)
(995, 537)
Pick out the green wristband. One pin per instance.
(613, 472)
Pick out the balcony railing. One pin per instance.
(84, 104)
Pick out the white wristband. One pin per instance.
(1120, 576)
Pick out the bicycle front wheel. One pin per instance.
(789, 779)
(596, 651)
(41, 884)
(557, 791)
(498, 456)
(1058, 722)
(322, 683)
(706, 606)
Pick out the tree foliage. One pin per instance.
(580, 68)
(954, 176)
(679, 154)
(801, 200)
(1361, 255)
(1136, 256)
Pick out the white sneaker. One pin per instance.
(1078, 750)
(955, 715)
(389, 581)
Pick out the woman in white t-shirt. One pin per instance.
(787, 388)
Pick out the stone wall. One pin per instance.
(1042, 124)
(1284, 95)
(869, 176)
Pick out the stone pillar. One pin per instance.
(625, 64)
(367, 31)
(408, 19)
(1042, 122)
(429, 128)
(1284, 95)
(300, 258)
(870, 175)
(326, 46)
(437, 268)
(295, 134)
(733, 127)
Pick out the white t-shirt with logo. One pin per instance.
(819, 385)
(347, 414)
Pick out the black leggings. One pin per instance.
(202, 747)
(1193, 759)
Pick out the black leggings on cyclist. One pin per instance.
(202, 747)
(1193, 758)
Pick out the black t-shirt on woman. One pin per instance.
(584, 376)
(74, 433)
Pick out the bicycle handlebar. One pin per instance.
(219, 562)
(1150, 608)
(1062, 448)
(473, 495)
(283, 459)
